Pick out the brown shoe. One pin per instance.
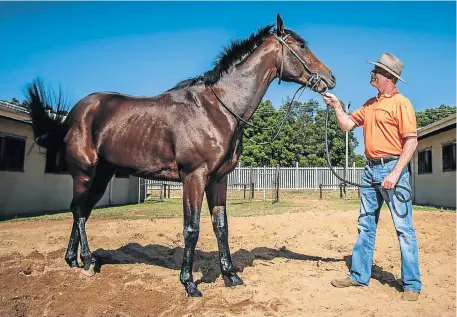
(346, 282)
(410, 296)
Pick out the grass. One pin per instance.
(290, 201)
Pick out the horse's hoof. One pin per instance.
(90, 272)
(233, 280)
(192, 290)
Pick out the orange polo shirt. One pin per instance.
(386, 120)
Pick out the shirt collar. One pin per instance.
(389, 95)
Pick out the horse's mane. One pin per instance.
(232, 54)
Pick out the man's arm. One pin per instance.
(407, 153)
(344, 121)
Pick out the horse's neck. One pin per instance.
(246, 83)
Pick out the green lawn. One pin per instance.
(290, 201)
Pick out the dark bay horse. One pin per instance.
(191, 133)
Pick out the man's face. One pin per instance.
(379, 77)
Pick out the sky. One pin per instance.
(145, 48)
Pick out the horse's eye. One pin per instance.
(302, 45)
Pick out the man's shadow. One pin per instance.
(205, 262)
(378, 273)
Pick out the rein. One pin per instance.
(315, 79)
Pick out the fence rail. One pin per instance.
(289, 177)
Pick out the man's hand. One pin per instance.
(390, 180)
(331, 100)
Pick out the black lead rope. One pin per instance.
(281, 124)
(377, 185)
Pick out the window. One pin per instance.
(425, 161)
(56, 162)
(12, 153)
(448, 157)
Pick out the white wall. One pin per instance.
(437, 188)
(34, 191)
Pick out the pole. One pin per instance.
(347, 147)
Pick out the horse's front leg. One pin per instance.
(216, 194)
(194, 186)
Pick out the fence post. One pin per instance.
(251, 174)
(277, 184)
(264, 178)
(296, 175)
(320, 191)
(315, 179)
(353, 173)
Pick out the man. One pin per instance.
(389, 130)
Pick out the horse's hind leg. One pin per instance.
(82, 178)
(194, 185)
(82, 161)
(103, 174)
(81, 185)
(100, 180)
(216, 195)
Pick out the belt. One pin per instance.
(382, 160)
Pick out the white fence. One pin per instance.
(289, 177)
(292, 177)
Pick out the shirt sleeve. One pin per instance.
(358, 116)
(406, 119)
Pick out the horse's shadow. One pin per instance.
(378, 273)
(205, 262)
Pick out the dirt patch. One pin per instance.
(287, 262)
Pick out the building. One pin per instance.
(33, 181)
(433, 164)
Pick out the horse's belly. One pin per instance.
(151, 161)
(169, 173)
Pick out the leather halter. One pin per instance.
(314, 75)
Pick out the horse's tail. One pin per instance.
(48, 113)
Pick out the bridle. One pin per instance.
(313, 81)
(314, 75)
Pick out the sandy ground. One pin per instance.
(287, 262)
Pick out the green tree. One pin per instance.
(16, 102)
(428, 116)
(301, 138)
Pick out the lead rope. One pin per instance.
(281, 124)
(375, 185)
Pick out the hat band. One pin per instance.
(389, 69)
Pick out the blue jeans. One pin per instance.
(371, 203)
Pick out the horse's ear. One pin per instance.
(279, 26)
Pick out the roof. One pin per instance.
(14, 112)
(439, 126)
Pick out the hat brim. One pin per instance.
(386, 69)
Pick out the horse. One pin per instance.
(191, 133)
